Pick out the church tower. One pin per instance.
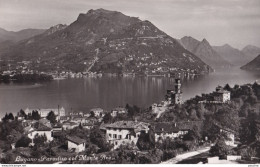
(177, 85)
(175, 96)
(178, 93)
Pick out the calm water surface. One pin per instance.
(109, 92)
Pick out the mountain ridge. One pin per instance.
(232, 55)
(110, 42)
(253, 65)
(204, 51)
(16, 36)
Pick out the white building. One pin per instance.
(98, 112)
(41, 131)
(44, 112)
(76, 143)
(69, 125)
(231, 136)
(221, 95)
(118, 110)
(163, 130)
(125, 132)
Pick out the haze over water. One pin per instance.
(109, 92)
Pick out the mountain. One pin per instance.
(253, 65)
(232, 55)
(109, 42)
(251, 51)
(19, 35)
(204, 51)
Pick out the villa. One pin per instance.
(41, 130)
(125, 132)
(76, 143)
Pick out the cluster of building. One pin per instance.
(43, 127)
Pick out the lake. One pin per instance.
(83, 94)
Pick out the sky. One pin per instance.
(236, 22)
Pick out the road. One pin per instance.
(181, 157)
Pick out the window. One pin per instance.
(119, 136)
(109, 135)
(115, 143)
(114, 136)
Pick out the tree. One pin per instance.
(51, 117)
(250, 129)
(219, 149)
(227, 87)
(107, 118)
(35, 115)
(7, 117)
(40, 140)
(97, 138)
(92, 114)
(11, 116)
(22, 114)
(146, 141)
(193, 135)
(24, 141)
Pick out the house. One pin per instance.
(163, 130)
(69, 125)
(76, 143)
(45, 122)
(26, 123)
(87, 125)
(118, 110)
(124, 132)
(76, 114)
(44, 112)
(230, 135)
(64, 118)
(57, 128)
(98, 112)
(41, 130)
(79, 119)
(221, 95)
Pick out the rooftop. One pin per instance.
(119, 109)
(75, 139)
(96, 109)
(165, 127)
(137, 126)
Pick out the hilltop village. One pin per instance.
(225, 123)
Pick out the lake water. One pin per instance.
(109, 92)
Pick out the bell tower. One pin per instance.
(177, 85)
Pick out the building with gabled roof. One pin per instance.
(44, 112)
(118, 110)
(98, 112)
(40, 130)
(221, 95)
(124, 132)
(163, 130)
(69, 125)
(76, 143)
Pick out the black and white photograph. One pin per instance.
(130, 82)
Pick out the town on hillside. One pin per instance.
(219, 127)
